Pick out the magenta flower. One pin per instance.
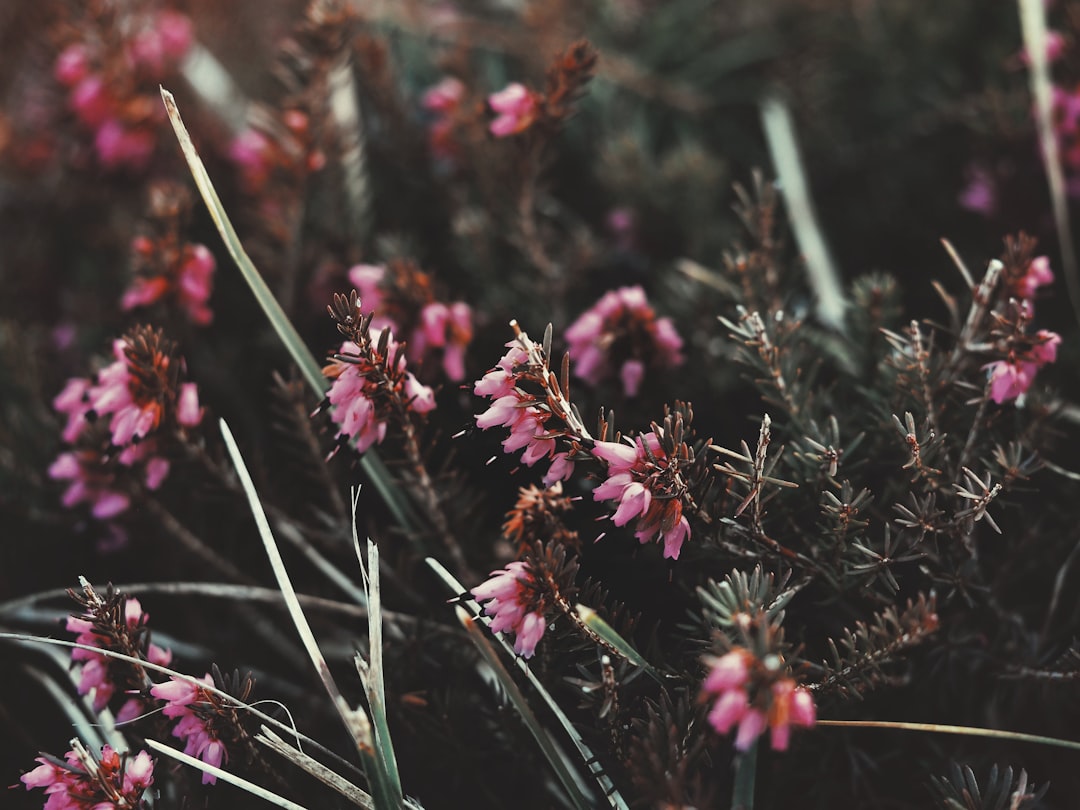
(100, 673)
(1012, 377)
(187, 702)
(511, 599)
(621, 334)
(1038, 275)
(189, 281)
(746, 701)
(647, 487)
(516, 109)
(365, 386)
(184, 701)
(112, 781)
(72, 65)
(443, 101)
(139, 395)
(514, 409)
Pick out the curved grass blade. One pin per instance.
(387, 793)
(964, 731)
(521, 703)
(315, 768)
(614, 798)
(370, 463)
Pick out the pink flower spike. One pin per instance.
(803, 711)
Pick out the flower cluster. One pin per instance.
(516, 604)
(138, 398)
(267, 154)
(519, 109)
(515, 108)
(1013, 376)
(85, 782)
(124, 117)
(401, 296)
(443, 101)
(118, 624)
(188, 702)
(165, 266)
(748, 695)
(621, 333)
(370, 382)
(644, 479)
(525, 414)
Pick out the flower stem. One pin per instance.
(742, 797)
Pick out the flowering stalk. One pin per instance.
(83, 781)
(123, 417)
(113, 622)
(372, 388)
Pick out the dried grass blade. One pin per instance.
(964, 731)
(315, 768)
(1033, 25)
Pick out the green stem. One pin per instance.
(742, 797)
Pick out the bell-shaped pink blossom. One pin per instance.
(516, 109)
(509, 600)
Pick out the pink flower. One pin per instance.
(444, 96)
(196, 283)
(188, 412)
(91, 101)
(89, 484)
(358, 404)
(642, 484)
(1008, 380)
(113, 781)
(790, 706)
(1038, 275)
(367, 278)
(745, 702)
(510, 599)
(621, 332)
(183, 698)
(121, 146)
(980, 193)
(448, 327)
(72, 65)
(1012, 377)
(516, 109)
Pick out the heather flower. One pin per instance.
(1012, 377)
(516, 108)
(522, 413)
(187, 277)
(513, 600)
(648, 487)
(370, 384)
(120, 625)
(746, 700)
(192, 706)
(621, 334)
(1038, 275)
(401, 297)
(443, 101)
(85, 782)
(140, 395)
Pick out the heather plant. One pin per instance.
(481, 428)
